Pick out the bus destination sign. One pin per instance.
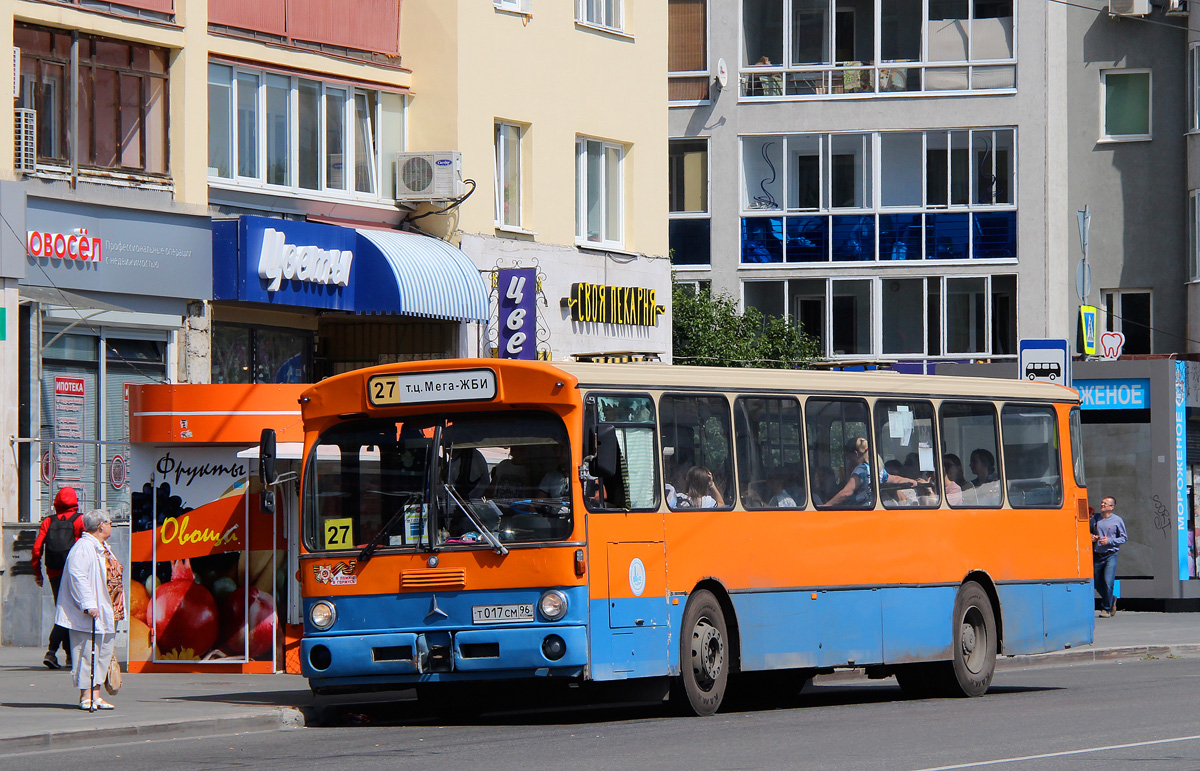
(467, 385)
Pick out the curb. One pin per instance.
(278, 719)
(1089, 655)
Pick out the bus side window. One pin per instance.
(770, 457)
(635, 486)
(697, 458)
(1032, 466)
(906, 443)
(837, 429)
(971, 441)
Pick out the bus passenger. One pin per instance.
(702, 492)
(825, 484)
(780, 497)
(857, 492)
(953, 473)
(901, 496)
(554, 482)
(510, 477)
(986, 483)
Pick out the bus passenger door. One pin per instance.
(630, 628)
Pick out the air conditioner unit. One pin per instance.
(1177, 8)
(25, 141)
(433, 176)
(1129, 7)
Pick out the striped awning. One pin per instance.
(434, 279)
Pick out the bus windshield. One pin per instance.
(430, 482)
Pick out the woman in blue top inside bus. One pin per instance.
(857, 491)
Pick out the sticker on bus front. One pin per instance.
(465, 385)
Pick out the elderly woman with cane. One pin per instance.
(85, 608)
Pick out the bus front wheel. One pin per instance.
(974, 642)
(703, 656)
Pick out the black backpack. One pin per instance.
(60, 537)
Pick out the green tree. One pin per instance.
(709, 331)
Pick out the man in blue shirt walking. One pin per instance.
(1108, 533)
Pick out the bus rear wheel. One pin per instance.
(703, 656)
(975, 642)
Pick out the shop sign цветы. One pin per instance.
(604, 304)
(279, 260)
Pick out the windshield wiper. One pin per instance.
(369, 549)
(488, 535)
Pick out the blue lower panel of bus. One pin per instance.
(893, 625)
(417, 637)
(628, 650)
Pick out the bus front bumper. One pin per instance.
(468, 654)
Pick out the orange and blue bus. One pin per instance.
(696, 530)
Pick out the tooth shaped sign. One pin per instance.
(1111, 344)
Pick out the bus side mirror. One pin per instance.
(266, 470)
(605, 464)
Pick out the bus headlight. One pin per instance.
(322, 614)
(553, 605)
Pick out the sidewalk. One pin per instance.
(39, 708)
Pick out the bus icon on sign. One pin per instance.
(1051, 370)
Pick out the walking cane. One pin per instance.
(92, 692)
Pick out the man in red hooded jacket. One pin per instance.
(66, 506)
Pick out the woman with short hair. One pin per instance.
(85, 608)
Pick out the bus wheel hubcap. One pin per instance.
(972, 638)
(708, 654)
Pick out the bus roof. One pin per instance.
(680, 377)
(661, 376)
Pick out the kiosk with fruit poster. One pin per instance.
(208, 577)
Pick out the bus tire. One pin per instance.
(703, 656)
(975, 642)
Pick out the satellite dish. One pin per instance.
(722, 73)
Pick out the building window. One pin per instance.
(1125, 105)
(933, 195)
(294, 136)
(122, 119)
(508, 175)
(687, 50)
(243, 354)
(897, 317)
(1128, 311)
(1193, 73)
(1193, 236)
(810, 48)
(609, 14)
(690, 226)
(599, 193)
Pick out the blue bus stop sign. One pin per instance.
(1045, 360)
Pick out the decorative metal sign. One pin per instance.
(604, 304)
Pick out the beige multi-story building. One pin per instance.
(558, 110)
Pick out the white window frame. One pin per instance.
(323, 191)
(931, 283)
(918, 68)
(582, 8)
(686, 74)
(503, 162)
(523, 7)
(1114, 317)
(1193, 85)
(1194, 235)
(581, 188)
(1104, 135)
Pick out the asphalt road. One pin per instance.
(1113, 715)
